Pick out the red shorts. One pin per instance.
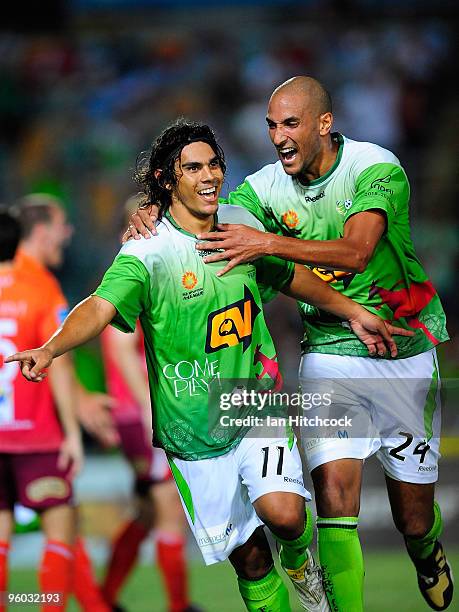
(149, 464)
(33, 480)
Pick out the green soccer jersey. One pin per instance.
(199, 329)
(394, 284)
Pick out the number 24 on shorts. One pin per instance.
(421, 449)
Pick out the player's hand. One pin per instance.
(71, 454)
(142, 222)
(94, 413)
(33, 363)
(377, 334)
(241, 244)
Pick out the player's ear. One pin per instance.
(157, 174)
(325, 123)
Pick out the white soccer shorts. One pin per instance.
(217, 493)
(394, 407)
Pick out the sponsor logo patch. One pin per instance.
(232, 324)
(49, 486)
(380, 184)
(189, 280)
(332, 276)
(290, 219)
(214, 537)
(342, 207)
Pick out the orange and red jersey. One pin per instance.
(32, 307)
(127, 410)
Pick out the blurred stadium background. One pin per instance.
(86, 84)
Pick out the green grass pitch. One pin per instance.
(390, 585)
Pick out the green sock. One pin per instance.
(421, 548)
(293, 553)
(341, 559)
(268, 594)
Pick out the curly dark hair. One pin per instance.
(164, 152)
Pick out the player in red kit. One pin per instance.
(40, 443)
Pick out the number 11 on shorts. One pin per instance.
(280, 460)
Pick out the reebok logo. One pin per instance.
(313, 199)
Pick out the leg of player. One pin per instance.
(170, 527)
(284, 514)
(260, 585)
(56, 569)
(85, 588)
(418, 518)
(337, 488)
(6, 529)
(125, 549)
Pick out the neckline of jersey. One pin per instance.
(174, 223)
(339, 138)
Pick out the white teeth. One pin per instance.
(287, 151)
(207, 191)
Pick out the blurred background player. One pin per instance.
(45, 232)
(158, 503)
(40, 443)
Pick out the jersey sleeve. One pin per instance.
(54, 312)
(272, 275)
(382, 187)
(246, 196)
(126, 285)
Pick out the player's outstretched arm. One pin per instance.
(83, 323)
(375, 333)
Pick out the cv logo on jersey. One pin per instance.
(333, 276)
(232, 324)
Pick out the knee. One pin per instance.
(284, 515)
(287, 523)
(337, 494)
(412, 523)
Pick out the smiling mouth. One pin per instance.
(208, 194)
(287, 154)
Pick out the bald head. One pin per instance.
(299, 121)
(314, 94)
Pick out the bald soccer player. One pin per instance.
(341, 208)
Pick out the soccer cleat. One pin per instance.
(435, 579)
(307, 581)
